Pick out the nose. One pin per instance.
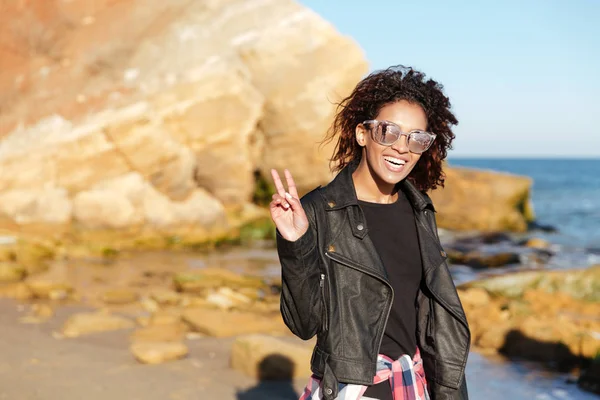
(401, 145)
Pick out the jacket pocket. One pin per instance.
(430, 323)
(324, 313)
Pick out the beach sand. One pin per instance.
(36, 365)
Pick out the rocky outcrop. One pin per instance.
(550, 317)
(483, 201)
(157, 115)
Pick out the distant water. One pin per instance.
(494, 379)
(565, 194)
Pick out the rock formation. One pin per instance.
(156, 117)
(126, 114)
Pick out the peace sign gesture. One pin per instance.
(286, 210)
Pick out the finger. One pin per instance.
(277, 182)
(278, 200)
(291, 184)
(294, 202)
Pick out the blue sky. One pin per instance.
(523, 76)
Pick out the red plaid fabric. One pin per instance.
(406, 377)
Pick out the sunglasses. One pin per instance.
(387, 133)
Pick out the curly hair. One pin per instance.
(388, 86)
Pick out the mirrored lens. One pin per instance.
(419, 141)
(385, 133)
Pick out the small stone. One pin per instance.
(165, 318)
(537, 243)
(156, 353)
(149, 305)
(86, 323)
(165, 297)
(220, 301)
(119, 296)
(225, 299)
(49, 289)
(42, 310)
(58, 294)
(10, 272)
(17, 291)
(193, 336)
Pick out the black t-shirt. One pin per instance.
(394, 233)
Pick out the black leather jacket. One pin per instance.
(335, 287)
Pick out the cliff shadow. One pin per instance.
(275, 380)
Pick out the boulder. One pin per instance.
(266, 357)
(225, 324)
(482, 259)
(161, 127)
(483, 201)
(549, 316)
(583, 284)
(158, 352)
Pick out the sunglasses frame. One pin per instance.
(375, 123)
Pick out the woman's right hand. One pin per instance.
(286, 209)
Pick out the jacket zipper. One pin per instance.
(324, 300)
(357, 267)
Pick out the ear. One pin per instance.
(361, 135)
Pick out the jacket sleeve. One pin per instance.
(301, 268)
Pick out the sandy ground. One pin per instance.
(35, 365)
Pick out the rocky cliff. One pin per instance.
(156, 114)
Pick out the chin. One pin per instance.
(393, 178)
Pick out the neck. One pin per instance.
(370, 188)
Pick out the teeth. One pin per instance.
(395, 160)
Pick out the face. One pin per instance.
(391, 164)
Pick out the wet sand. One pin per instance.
(36, 365)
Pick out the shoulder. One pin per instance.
(312, 199)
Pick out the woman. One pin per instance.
(362, 265)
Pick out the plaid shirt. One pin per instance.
(406, 377)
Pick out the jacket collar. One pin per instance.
(341, 193)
